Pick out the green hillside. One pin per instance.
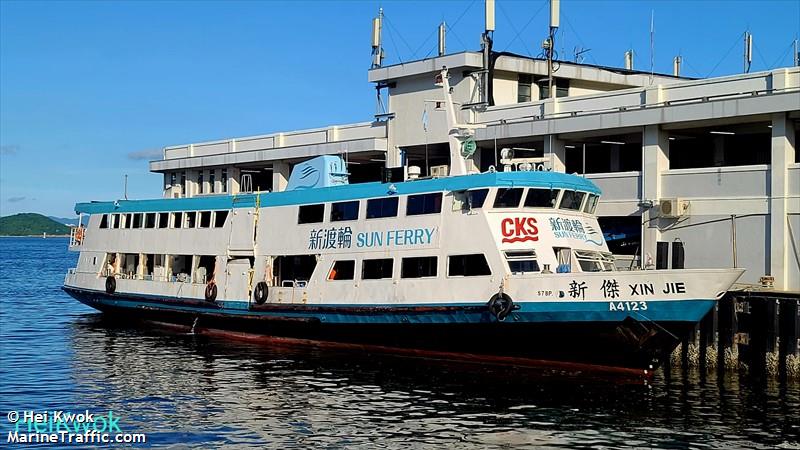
(30, 224)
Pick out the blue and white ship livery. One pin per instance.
(500, 264)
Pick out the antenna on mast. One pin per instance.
(549, 44)
(442, 36)
(486, 50)
(748, 51)
(377, 49)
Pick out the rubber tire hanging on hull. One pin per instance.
(111, 285)
(500, 305)
(261, 293)
(211, 292)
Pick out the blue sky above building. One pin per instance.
(90, 91)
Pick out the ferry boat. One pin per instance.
(503, 264)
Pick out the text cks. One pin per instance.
(519, 229)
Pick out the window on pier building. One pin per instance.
(219, 218)
(344, 211)
(467, 265)
(205, 219)
(201, 183)
(524, 88)
(342, 270)
(508, 197)
(424, 204)
(561, 85)
(163, 220)
(311, 213)
(541, 198)
(419, 267)
(212, 179)
(382, 207)
(104, 221)
(224, 181)
(183, 184)
(572, 200)
(377, 269)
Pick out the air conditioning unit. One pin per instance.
(439, 171)
(672, 207)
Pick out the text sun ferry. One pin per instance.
(503, 264)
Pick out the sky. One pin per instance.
(90, 91)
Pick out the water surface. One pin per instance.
(190, 391)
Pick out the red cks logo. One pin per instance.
(519, 229)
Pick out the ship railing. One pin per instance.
(77, 235)
(179, 278)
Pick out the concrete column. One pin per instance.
(555, 147)
(280, 176)
(655, 160)
(783, 154)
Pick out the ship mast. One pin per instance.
(460, 135)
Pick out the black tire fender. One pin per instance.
(261, 293)
(211, 292)
(500, 305)
(111, 284)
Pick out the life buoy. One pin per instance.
(111, 284)
(500, 305)
(261, 292)
(211, 291)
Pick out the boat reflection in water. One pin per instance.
(207, 392)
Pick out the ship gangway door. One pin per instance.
(244, 220)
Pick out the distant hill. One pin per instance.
(64, 220)
(30, 224)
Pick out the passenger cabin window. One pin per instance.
(594, 261)
(128, 220)
(205, 219)
(467, 266)
(424, 204)
(219, 218)
(191, 219)
(418, 267)
(469, 200)
(150, 220)
(541, 198)
(342, 270)
(177, 220)
(376, 269)
(508, 197)
(115, 221)
(163, 220)
(104, 221)
(572, 200)
(382, 207)
(294, 270)
(311, 213)
(522, 261)
(344, 211)
(137, 220)
(591, 204)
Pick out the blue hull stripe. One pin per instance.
(358, 191)
(529, 312)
